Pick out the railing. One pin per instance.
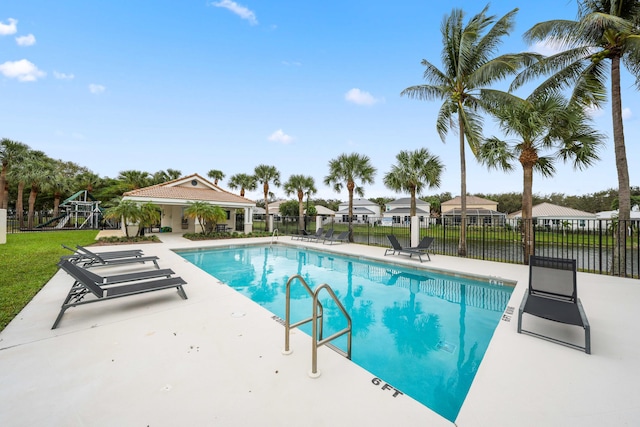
(317, 320)
(596, 244)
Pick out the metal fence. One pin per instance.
(597, 245)
(44, 220)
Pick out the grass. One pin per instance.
(28, 262)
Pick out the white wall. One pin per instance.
(3, 226)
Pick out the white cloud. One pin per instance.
(280, 136)
(28, 40)
(10, 28)
(63, 76)
(22, 70)
(594, 111)
(242, 11)
(626, 113)
(360, 97)
(292, 63)
(547, 47)
(96, 89)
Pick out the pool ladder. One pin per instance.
(317, 320)
(274, 234)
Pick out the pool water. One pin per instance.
(422, 333)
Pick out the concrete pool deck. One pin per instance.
(215, 359)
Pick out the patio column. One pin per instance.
(3, 226)
(415, 230)
(248, 220)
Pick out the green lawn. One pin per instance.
(28, 261)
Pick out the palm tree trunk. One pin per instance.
(20, 204)
(412, 210)
(462, 243)
(56, 203)
(350, 187)
(32, 204)
(265, 189)
(624, 189)
(527, 208)
(301, 210)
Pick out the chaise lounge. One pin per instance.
(86, 284)
(396, 248)
(553, 295)
(342, 237)
(91, 259)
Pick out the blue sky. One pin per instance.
(200, 85)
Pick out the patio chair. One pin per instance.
(327, 235)
(342, 237)
(80, 250)
(397, 248)
(424, 246)
(301, 235)
(86, 284)
(553, 295)
(91, 259)
(126, 277)
(319, 233)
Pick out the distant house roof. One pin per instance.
(357, 210)
(614, 214)
(406, 211)
(548, 210)
(361, 202)
(471, 200)
(473, 212)
(407, 201)
(321, 210)
(190, 188)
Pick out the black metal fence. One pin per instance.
(597, 245)
(45, 221)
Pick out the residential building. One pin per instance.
(364, 211)
(480, 211)
(400, 209)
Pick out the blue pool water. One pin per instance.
(422, 333)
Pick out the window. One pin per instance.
(365, 217)
(345, 218)
(396, 220)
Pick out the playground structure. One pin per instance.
(82, 209)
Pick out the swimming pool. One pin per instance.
(421, 332)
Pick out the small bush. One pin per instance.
(125, 240)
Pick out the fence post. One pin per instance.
(3, 226)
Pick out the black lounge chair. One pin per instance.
(327, 235)
(424, 246)
(87, 284)
(342, 237)
(82, 252)
(301, 235)
(319, 233)
(397, 248)
(553, 295)
(91, 259)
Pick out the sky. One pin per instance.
(199, 85)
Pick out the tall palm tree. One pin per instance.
(546, 129)
(347, 170)
(88, 180)
(11, 153)
(605, 32)
(133, 179)
(413, 171)
(165, 176)
(301, 185)
(469, 68)
(265, 174)
(242, 181)
(35, 170)
(216, 175)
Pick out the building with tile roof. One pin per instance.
(173, 197)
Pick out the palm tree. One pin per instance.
(207, 214)
(165, 176)
(62, 180)
(546, 129)
(35, 170)
(606, 31)
(148, 215)
(412, 171)
(469, 68)
(345, 170)
(265, 174)
(242, 181)
(11, 153)
(126, 211)
(216, 175)
(133, 179)
(88, 180)
(301, 185)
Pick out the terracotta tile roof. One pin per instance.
(171, 190)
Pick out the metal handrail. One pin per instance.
(274, 234)
(317, 340)
(287, 321)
